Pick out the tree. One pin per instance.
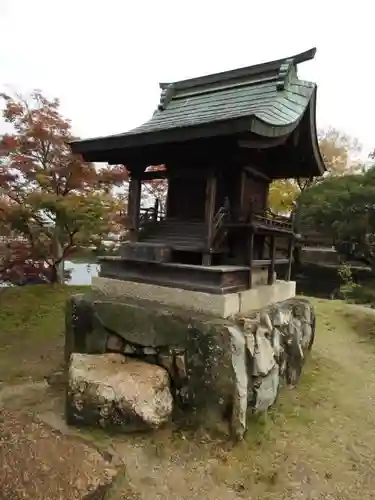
(344, 209)
(50, 199)
(341, 155)
(340, 152)
(282, 194)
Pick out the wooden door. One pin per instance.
(186, 198)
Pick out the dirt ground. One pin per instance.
(317, 443)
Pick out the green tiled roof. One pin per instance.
(274, 100)
(267, 99)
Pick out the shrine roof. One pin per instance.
(267, 99)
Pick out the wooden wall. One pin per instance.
(255, 194)
(186, 198)
(187, 194)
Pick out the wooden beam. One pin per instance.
(174, 173)
(261, 144)
(267, 262)
(251, 257)
(253, 172)
(290, 258)
(134, 201)
(241, 198)
(262, 240)
(155, 174)
(211, 186)
(291, 243)
(271, 269)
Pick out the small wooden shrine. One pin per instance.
(221, 140)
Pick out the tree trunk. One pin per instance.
(58, 266)
(58, 275)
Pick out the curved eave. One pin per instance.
(91, 149)
(300, 155)
(266, 129)
(314, 137)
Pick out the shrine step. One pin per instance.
(208, 279)
(182, 236)
(187, 244)
(168, 228)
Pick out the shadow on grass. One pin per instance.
(362, 323)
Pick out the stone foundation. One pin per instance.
(224, 306)
(220, 370)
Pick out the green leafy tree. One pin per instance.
(343, 208)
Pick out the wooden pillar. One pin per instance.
(290, 258)
(251, 257)
(134, 202)
(271, 269)
(209, 216)
(169, 206)
(291, 242)
(156, 210)
(242, 208)
(262, 247)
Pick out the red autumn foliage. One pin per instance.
(49, 198)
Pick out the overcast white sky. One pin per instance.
(104, 59)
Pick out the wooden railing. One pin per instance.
(150, 215)
(217, 225)
(272, 220)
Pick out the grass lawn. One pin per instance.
(317, 443)
(32, 330)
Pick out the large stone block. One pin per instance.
(266, 295)
(196, 350)
(218, 305)
(224, 306)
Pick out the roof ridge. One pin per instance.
(241, 72)
(225, 86)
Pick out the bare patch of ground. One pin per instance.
(38, 462)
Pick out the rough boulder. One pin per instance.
(117, 392)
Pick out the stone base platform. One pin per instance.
(224, 305)
(218, 370)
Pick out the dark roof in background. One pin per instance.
(269, 96)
